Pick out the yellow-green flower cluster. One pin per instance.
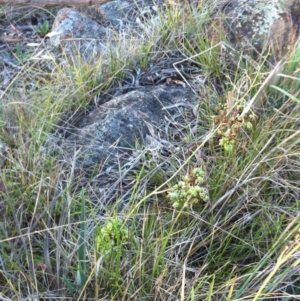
(113, 233)
(191, 190)
(230, 124)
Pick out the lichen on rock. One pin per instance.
(258, 26)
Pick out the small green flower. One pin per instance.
(189, 191)
(111, 234)
(176, 205)
(229, 147)
(174, 196)
(227, 133)
(185, 178)
(249, 125)
(199, 172)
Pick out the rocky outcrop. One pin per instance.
(103, 141)
(251, 26)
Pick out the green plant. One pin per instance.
(190, 191)
(22, 56)
(144, 56)
(109, 250)
(81, 273)
(231, 124)
(44, 28)
(112, 234)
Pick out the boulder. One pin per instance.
(120, 124)
(100, 148)
(257, 26)
(87, 32)
(78, 35)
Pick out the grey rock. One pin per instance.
(85, 32)
(119, 14)
(257, 26)
(117, 126)
(109, 13)
(78, 35)
(111, 142)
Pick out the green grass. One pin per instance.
(242, 244)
